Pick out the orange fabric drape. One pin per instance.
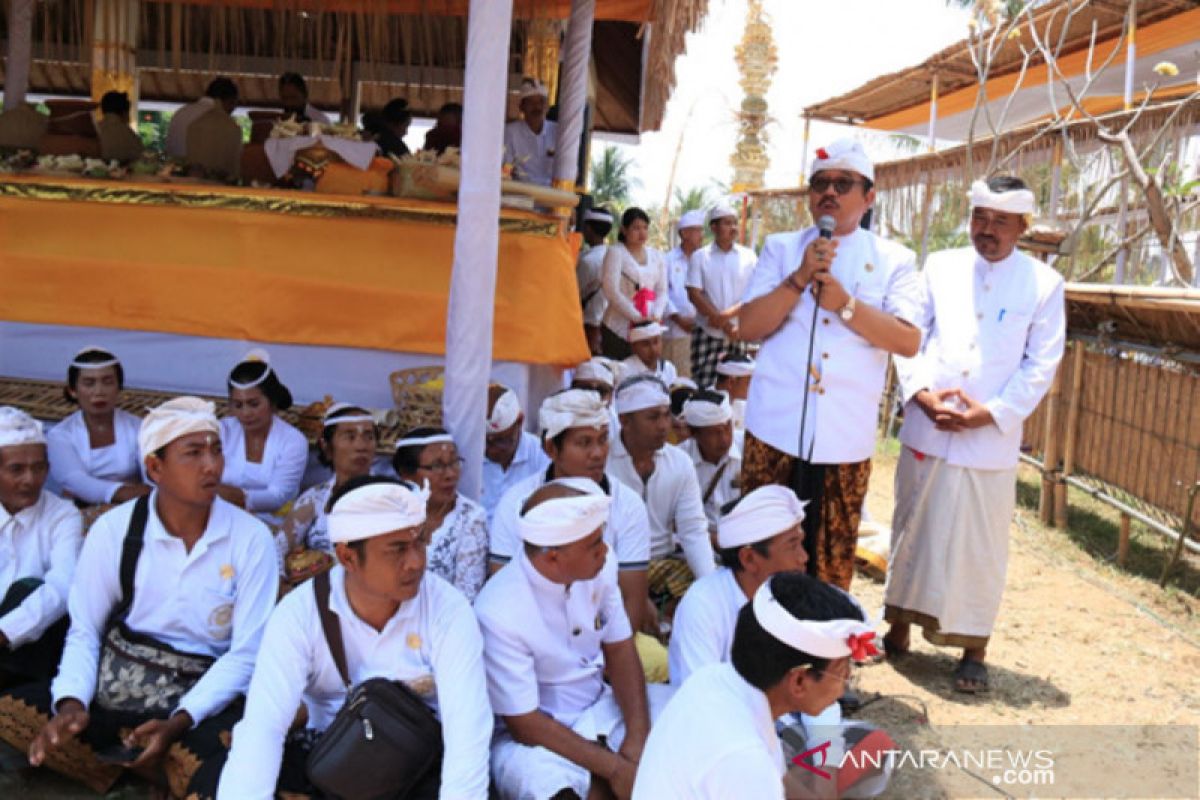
(101, 254)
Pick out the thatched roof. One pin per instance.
(1151, 316)
(410, 48)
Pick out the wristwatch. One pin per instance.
(846, 312)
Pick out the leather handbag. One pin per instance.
(383, 743)
(137, 673)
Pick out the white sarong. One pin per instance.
(949, 550)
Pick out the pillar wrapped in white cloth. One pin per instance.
(949, 552)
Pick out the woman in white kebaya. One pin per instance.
(93, 452)
(264, 456)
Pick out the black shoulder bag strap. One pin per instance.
(131, 550)
(331, 626)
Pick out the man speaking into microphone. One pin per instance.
(829, 306)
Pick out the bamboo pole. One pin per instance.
(1060, 489)
(1050, 448)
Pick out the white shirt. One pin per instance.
(677, 271)
(273, 482)
(622, 276)
(184, 116)
(542, 640)
(213, 601)
(43, 542)
(530, 459)
(728, 486)
(531, 154)
(627, 532)
(432, 643)
(844, 402)
(715, 740)
(997, 332)
(315, 534)
(722, 275)
(633, 366)
(672, 499)
(315, 114)
(94, 475)
(588, 272)
(702, 631)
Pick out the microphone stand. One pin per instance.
(808, 369)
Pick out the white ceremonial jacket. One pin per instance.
(728, 486)
(213, 601)
(847, 384)
(94, 475)
(715, 740)
(432, 644)
(997, 332)
(43, 542)
(722, 276)
(273, 482)
(680, 303)
(542, 640)
(672, 498)
(530, 459)
(531, 154)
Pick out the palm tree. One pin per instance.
(611, 178)
(692, 199)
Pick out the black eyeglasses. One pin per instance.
(441, 466)
(820, 184)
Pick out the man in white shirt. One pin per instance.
(220, 90)
(574, 428)
(681, 314)
(717, 276)
(869, 300)
(715, 457)
(791, 652)
(597, 224)
(203, 582)
(995, 328)
(397, 620)
(662, 475)
(39, 544)
(510, 453)
(734, 372)
(646, 341)
(554, 629)
(529, 142)
(599, 374)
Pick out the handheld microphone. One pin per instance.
(826, 224)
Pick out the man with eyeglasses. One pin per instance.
(850, 301)
(510, 452)
(995, 329)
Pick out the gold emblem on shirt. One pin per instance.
(600, 620)
(221, 616)
(227, 572)
(413, 641)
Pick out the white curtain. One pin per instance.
(476, 239)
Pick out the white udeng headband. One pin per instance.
(563, 520)
(831, 639)
(112, 361)
(421, 441)
(505, 412)
(255, 356)
(1016, 201)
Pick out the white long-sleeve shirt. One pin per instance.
(677, 271)
(432, 643)
(530, 459)
(994, 330)
(722, 276)
(588, 271)
(728, 487)
(715, 740)
(531, 154)
(94, 475)
(41, 541)
(621, 278)
(273, 482)
(213, 601)
(672, 498)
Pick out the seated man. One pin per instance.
(733, 377)
(646, 341)
(118, 142)
(529, 142)
(511, 453)
(398, 621)
(39, 543)
(553, 630)
(718, 462)
(213, 143)
(641, 458)
(167, 607)
(574, 425)
(220, 90)
(791, 653)
(600, 375)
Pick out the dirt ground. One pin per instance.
(1077, 643)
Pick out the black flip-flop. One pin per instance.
(973, 671)
(892, 651)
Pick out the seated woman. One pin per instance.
(94, 452)
(347, 446)
(458, 546)
(264, 456)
